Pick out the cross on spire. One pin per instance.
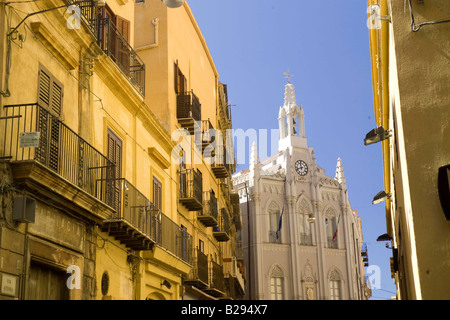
(288, 76)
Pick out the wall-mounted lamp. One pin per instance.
(311, 218)
(173, 3)
(444, 189)
(376, 135)
(380, 197)
(166, 284)
(384, 237)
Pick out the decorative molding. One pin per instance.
(54, 45)
(158, 157)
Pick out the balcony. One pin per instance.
(234, 274)
(306, 239)
(332, 243)
(136, 223)
(112, 42)
(208, 136)
(364, 254)
(120, 51)
(209, 213)
(222, 231)
(221, 166)
(188, 110)
(191, 189)
(42, 148)
(217, 280)
(199, 276)
(235, 204)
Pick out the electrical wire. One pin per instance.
(416, 27)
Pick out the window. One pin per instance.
(50, 97)
(335, 289)
(305, 226)
(335, 285)
(276, 284)
(157, 194)
(330, 226)
(50, 92)
(180, 80)
(201, 246)
(114, 154)
(274, 223)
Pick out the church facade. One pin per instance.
(301, 238)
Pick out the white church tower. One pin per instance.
(301, 238)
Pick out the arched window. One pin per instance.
(335, 283)
(274, 221)
(304, 211)
(276, 283)
(330, 228)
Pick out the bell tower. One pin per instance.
(291, 121)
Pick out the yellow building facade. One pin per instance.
(183, 90)
(408, 45)
(89, 192)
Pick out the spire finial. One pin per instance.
(288, 75)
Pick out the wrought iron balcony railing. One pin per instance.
(306, 239)
(136, 223)
(191, 189)
(199, 274)
(332, 243)
(114, 44)
(189, 110)
(120, 51)
(222, 231)
(30, 132)
(217, 280)
(209, 213)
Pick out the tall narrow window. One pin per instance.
(157, 194)
(114, 154)
(276, 284)
(123, 52)
(50, 98)
(274, 223)
(50, 92)
(330, 225)
(180, 80)
(335, 285)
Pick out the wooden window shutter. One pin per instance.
(123, 52)
(115, 152)
(50, 92)
(157, 194)
(175, 76)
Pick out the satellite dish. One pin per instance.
(173, 3)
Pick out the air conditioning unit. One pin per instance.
(24, 209)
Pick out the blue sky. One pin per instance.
(324, 44)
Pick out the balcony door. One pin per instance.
(114, 154)
(50, 98)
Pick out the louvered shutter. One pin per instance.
(123, 52)
(114, 154)
(50, 92)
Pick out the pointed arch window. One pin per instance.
(335, 284)
(305, 211)
(276, 284)
(274, 222)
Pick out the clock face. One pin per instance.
(301, 167)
